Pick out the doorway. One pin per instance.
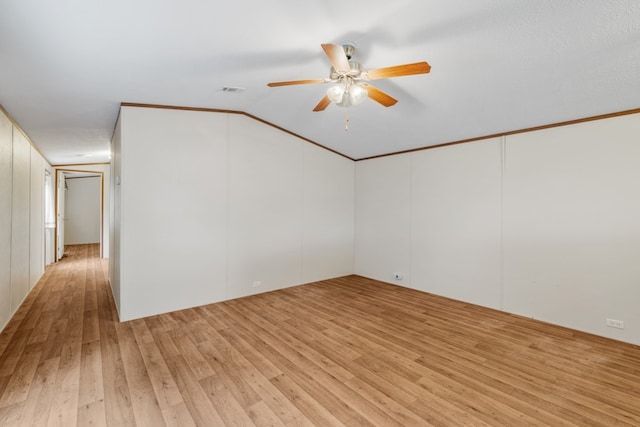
(79, 218)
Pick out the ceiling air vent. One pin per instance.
(232, 89)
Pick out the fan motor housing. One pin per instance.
(354, 72)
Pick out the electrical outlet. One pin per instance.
(613, 323)
(257, 284)
(397, 276)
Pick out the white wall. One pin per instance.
(265, 208)
(213, 202)
(83, 210)
(455, 222)
(36, 219)
(383, 218)
(328, 215)
(572, 226)
(543, 224)
(434, 217)
(115, 214)
(21, 217)
(173, 212)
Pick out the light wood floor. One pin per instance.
(347, 351)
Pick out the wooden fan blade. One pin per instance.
(324, 103)
(337, 57)
(380, 96)
(399, 70)
(296, 82)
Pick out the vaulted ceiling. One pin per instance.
(497, 66)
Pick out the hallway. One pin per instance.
(50, 352)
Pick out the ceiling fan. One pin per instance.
(350, 79)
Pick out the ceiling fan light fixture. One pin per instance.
(347, 93)
(349, 79)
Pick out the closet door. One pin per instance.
(6, 180)
(20, 218)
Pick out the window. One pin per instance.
(49, 210)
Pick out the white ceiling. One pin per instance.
(497, 66)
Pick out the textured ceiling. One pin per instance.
(497, 66)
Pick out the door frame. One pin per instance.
(64, 171)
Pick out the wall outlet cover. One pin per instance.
(613, 323)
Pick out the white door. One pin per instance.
(60, 216)
(49, 218)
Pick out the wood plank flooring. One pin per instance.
(348, 351)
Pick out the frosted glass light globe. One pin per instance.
(358, 94)
(347, 93)
(336, 93)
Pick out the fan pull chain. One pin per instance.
(346, 123)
